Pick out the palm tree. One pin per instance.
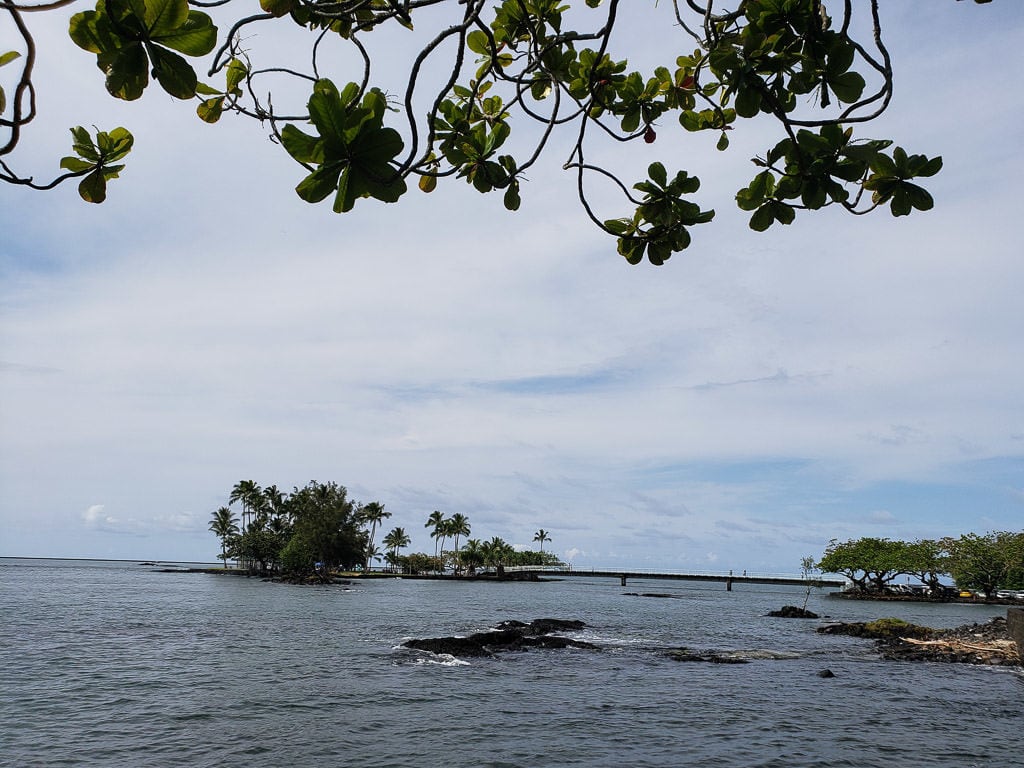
(458, 526)
(541, 536)
(224, 524)
(395, 540)
(471, 555)
(277, 506)
(249, 494)
(495, 552)
(372, 513)
(435, 521)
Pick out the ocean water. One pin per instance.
(115, 664)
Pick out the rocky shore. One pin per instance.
(989, 643)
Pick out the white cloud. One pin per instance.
(94, 515)
(759, 394)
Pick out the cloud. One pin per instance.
(759, 395)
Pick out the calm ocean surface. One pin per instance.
(114, 664)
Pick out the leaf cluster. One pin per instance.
(518, 63)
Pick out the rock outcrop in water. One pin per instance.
(712, 657)
(507, 636)
(988, 643)
(793, 612)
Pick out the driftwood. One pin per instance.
(991, 649)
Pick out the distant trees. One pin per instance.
(318, 528)
(983, 563)
(987, 563)
(315, 524)
(374, 514)
(224, 525)
(394, 541)
(468, 558)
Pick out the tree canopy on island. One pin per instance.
(549, 68)
(318, 529)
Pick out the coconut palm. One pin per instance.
(471, 555)
(435, 521)
(224, 524)
(395, 540)
(250, 495)
(541, 536)
(496, 552)
(458, 525)
(372, 513)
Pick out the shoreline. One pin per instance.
(924, 599)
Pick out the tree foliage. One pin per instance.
(983, 563)
(987, 563)
(479, 69)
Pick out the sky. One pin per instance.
(737, 408)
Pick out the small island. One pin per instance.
(317, 534)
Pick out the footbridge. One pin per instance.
(623, 576)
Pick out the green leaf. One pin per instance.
(209, 111)
(477, 42)
(900, 204)
(93, 188)
(301, 146)
(763, 218)
(82, 144)
(619, 226)
(428, 183)
(92, 32)
(847, 87)
(327, 111)
(277, 7)
(930, 168)
(919, 197)
(784, 214)
(320, 183)
(512, 199)
(76, 164)
(632, 248)
(127, 71)
(748, 102)
(7, 58)
(115, 144)
(197, 36)
(657, 173)
(236, 73)
(174, 74)
(160, 16)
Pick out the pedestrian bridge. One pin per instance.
(728, 579)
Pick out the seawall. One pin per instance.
(1015, 625)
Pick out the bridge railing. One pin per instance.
(639, 572)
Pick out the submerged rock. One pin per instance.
(507, 636)
(665, 595)
(712, 657)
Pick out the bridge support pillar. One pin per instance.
(622, 579)
(728, 585)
